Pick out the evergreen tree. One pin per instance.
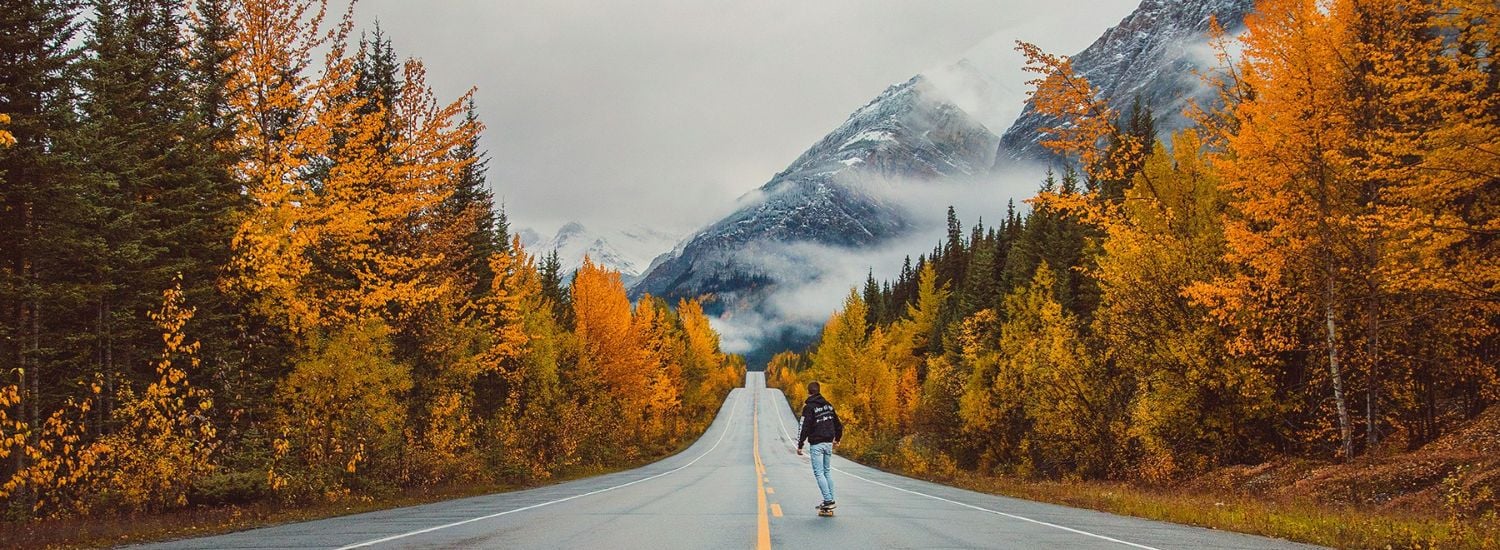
(981, 287)
(949, 259)
(42, 206)
(164, 202)
(221, 323)
(473, 205)
(873, 311)
(554, 288)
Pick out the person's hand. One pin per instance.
(799, 451)
(835, 443)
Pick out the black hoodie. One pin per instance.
(819, 423)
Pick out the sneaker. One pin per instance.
(828, 505)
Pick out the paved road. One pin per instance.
(740, 486)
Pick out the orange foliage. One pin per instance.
(340, 189)
(6, 138)
(609, 354)
(61, 465)
(166, 439)
(1085, 120)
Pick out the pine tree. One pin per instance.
(44, 204)
(953, 254)
(162, 211)
(473, 204)
(980, 290)
(555, 288)
(872, 298)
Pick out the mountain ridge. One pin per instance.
(850, 191)
(1156, 54)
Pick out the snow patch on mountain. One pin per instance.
(875, 188)
(1156, 54)
(764, 267)
(628, 250)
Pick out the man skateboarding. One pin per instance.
(821, 428)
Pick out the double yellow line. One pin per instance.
(763, 523)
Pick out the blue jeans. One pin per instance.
(822, 455)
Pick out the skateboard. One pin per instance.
(824, 512)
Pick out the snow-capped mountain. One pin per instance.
(836, 195)
(850, 193)
(529, 237)
(1157, 54)
(628, 251)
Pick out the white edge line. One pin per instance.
(782, 423)
(966, 505)
(998, 513)
(728, 424)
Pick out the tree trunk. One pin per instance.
(1332, 335)
(109, 361)
(1372, 389)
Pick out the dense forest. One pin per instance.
(1312, 271)
(249, 255)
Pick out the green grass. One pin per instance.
(1339, 527)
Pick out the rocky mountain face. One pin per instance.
(833, 195)
(782, 246)
(1156, 54)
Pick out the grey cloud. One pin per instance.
(814, 279)
(663, 112)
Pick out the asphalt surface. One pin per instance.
(741, 485)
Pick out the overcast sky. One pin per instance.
(662, 112)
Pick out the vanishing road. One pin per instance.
(740, 486)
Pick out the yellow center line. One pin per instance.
(763, 524)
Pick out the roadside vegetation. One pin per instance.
(253, 271)
(1305, 288)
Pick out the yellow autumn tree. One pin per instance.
(661, 350)
(782, 373)
(911, 339)
(166, 438)
(342, 413)
(284, 123)
(1355, 168)
(850, 365)
(991, 401)
(835, 367)
(1195, 406)
(1059, 407)
(62, 465)
(342, 187)
(1084, 129)
(609, 356)
(1294, 201)
(504, 309)
(1426, 107)
(377, 205)
(518, 376)
(707, 372)
(6, 138)
(1084, 121)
